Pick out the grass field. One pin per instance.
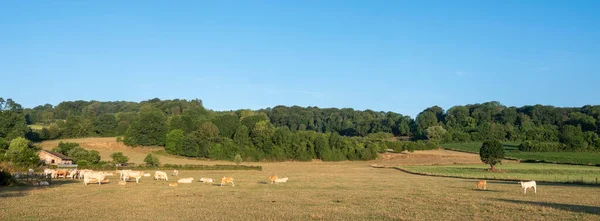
(315, 191)
(522, 171)
(512, 151)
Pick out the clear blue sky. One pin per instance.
(396, 56)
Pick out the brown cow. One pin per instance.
(272, 179)
(481, 185)
(226, 180)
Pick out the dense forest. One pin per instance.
(187, 128)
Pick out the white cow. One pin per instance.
(175, 172)
(281, 180)
(207, 180)
(530, 184)
(125, 175)
(185, 180)
(72, 174)
(93, 176)
(48, 172)
(160, 175)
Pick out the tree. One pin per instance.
(238, 159)
(65, 147)
(492, 153)
(227, 124)
(21, 153)
(175, 140)
(106, 125)
(148, 129)
(119, 158)
(152, 160)
(425, 120)
(435, 133)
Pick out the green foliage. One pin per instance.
(78, 154)
(227, 124)
(12, 122)
(175, 141)
(83, 163)
(65, 147)
(435, 133)
(22, 153)
(151, 160)
(119, 158)
(491, 153)
(5, 178)
(238, 159)
(536, 146)
(148, 129)
(106, 125)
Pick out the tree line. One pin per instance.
(302, 133)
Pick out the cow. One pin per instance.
(125, 175)
(93, 177)
(175, 172)
(206, 180)
(72, 174)
(226, 180)
(185, 180)
(159, 175)
(147, 174)
(48, 172)
(281, 180)
(530, 184)
(173, 184)
(481, 185)
(272, 179)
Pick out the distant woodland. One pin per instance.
(187, 128)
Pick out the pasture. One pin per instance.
(519, 171)
(315, 191)
(512, 151)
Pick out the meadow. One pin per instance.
(516, 171)
(348, 190)
(512, 151)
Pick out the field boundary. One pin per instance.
(480, 178)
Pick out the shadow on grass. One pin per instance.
(567, 207)
(263, 182)
(20, 191)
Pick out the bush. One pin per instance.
(5, 178)
(238, 159)
(152, 160)
(119, 158)
(83, 163)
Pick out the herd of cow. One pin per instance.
(482, 185)
(90, 176)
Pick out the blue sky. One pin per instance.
(400, 56)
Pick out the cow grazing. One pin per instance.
(159, 175)
(481, 185)
(173, 184)
(185, 180)
(125, 175)
(281, 180)
(48, 172)
(93, 177)
(60, 173)
(226, 180)
(175, 172)
(526, 185)
(272, 179)
(73, 174)
(206, 180)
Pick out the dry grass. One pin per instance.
(316, 191)
(321, 191)
(109, 145)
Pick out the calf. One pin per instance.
(160, 175)
(281, 180)
(226, 180)
(272, 179)
(481, 185)
(185, 180)
(206, 180)
(175, 172)
(526, 185)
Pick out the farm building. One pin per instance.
(54, 158)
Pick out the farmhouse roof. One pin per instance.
(59, 155)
